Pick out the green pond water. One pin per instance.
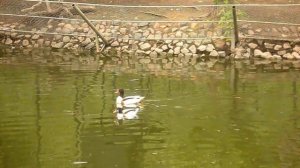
(61, 115)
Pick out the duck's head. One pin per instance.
(120, 92)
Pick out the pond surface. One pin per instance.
(61, 115)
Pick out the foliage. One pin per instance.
(225, 16)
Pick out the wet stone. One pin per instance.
(257, 53)
(210, 48)
(68, 45)
(47, 43)
(269, 45)
(252, 45)
(57, 45)
(202, 48)
(145, 46)
(17, 41)
(193, 49)
(13, 35)
(282, 52)
(57, 37)
(90, 46)
(206, 41)
(277, 57)
(153, 54)
(219, 44)
(171, 52)
(145, 61)
(86, 42)
(278, 47)
(66, 39)
(214, 53)
(164, 47)
(177, 50)
(115, 44)
(288, 56)
(40, 42)
(8, 41)
(287, 45)
(185, 50)
(179, 44)
(222, 53)
(158, 50)
(35, 37)
(297, 48)
(25, 43)
(266, 55)
(123, 30)
(28, 36)
(296, 55)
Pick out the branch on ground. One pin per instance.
(59, 10)
(155, 14)
(32, 7)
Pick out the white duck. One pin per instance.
(132, 101)
(129, 113)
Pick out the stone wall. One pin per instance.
(154, 40)
(268, 49)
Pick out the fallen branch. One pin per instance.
(201, 17)
(32, 7)
(155, 14)
(55, 12)
(59, 10)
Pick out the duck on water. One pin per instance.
(127, 107)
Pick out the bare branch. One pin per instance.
(155, 14)
(48, 6)
(32, 7)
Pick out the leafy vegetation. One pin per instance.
(225, 16)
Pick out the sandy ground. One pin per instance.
(278, 14)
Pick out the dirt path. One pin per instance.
(270, 14)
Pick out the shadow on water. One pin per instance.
(57, 106)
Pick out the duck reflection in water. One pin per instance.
(127, 107)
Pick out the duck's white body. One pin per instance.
(132, 101)
(130, 113)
